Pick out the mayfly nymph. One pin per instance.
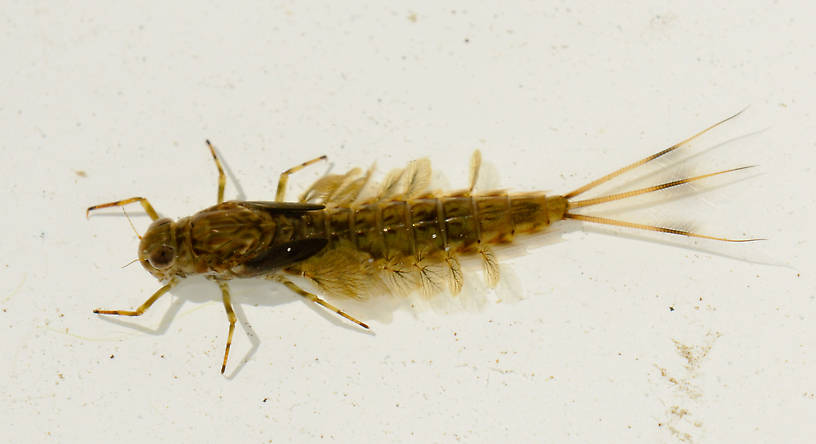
(396, 240)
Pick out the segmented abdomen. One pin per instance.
(423, 226)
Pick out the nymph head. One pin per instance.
(157, 250)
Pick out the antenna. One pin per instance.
(131, 226)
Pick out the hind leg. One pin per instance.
(284, 177)
(222, 179)
(316, 299)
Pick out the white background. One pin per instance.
(594, 337)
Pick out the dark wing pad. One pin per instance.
(282, 255)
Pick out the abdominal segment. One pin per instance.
(397, 246)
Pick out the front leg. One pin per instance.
(142, 308)
(145, 204)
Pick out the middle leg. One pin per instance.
(225, 295)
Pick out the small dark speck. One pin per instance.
(467, 40)
(265, 399)
(111, 356)
(42, 234)
(81, 173)
(671, 307)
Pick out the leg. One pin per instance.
(145, 204)
(144, 306)
(314, 298)
(284, 177)
(222, 180)
(225, 294)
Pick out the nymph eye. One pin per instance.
(161, 257)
